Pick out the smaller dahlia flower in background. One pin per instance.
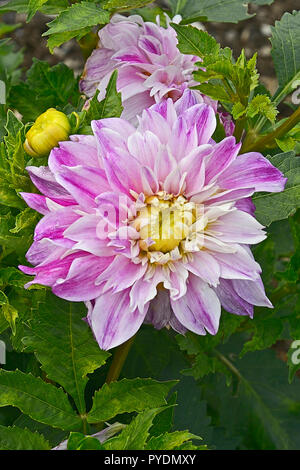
(150, 66)
(151, 224)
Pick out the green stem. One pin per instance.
(239, 128)
(118, 361)
(269, 139)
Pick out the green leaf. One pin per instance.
(231, 11)
(39, 400)
(78, 441)
(266, 332)
(261, 104)
(8, 28)
(169, 441)
(26, 218)
(135, 435)
(110, 106)
(33, 7)
(127, 396)
(64, 345)
(52, 7)
(286, 52)
(191, 40)
(14, 438)
(278, 206)
(11, 315)
(123, 5)
(261, 407)
(57, 39)
(78, 16)
(45, 87)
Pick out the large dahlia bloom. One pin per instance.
(151, 224)
(150, 66)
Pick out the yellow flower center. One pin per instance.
(166, 220)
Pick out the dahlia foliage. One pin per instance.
(151, 224)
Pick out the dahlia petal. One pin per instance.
(53, 224)
(46, 250)
(183, 139)
(176, 282)
(144, 290)
(224, 153)
(159, 312)
(231, 301)
(199, 309)
(187, 100)
(246, 205)
(238, 227)
(44, 180)
(97, 66)
(79, 284)
(47, 274)
(112, 321)
(204, 117)
(83, 183)
(252, 291)
(195, 160)
(205, 266)
(238, 265)
(37, 202)
(70, 154)
(252, 170)
(154, 122)
(121, 274)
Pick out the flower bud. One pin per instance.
(49, 128)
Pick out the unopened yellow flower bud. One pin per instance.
(49, 128)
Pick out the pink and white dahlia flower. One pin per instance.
(151, 224)
(150, 66)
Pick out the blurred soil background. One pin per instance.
(252, 35)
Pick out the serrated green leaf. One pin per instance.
(267, 332)
(64, 345)
(78, 16)
(127, 396)
(169, 441)
(26, 218)
(261, 104)
(231, 11)
(110, 106)
(57, 39)
(53, 87)
(278, 206)
(135, 435)
(33, 7)
(14, 438)
(52, 7)
(123, 5)
(286, 52)
(78, 441)
(194, 41)
(39, 400)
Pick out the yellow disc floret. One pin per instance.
(50, 128)
(164, 222)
